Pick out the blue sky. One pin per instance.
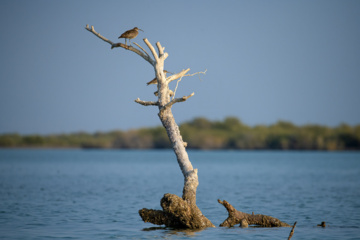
(266, 61)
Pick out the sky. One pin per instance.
(266, 61)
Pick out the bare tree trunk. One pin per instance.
(184, 212)
(177, 212)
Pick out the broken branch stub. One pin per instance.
(176, 100)
(146, 103)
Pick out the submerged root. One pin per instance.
(176, 213)
(236, 217)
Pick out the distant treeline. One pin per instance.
(201, 133)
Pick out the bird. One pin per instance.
(130, 34)
(154, 81)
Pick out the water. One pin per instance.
(76, 194)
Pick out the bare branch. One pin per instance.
(142, 49)
(161, 51)
(177, 83)
(114, 45)
(176, 100)
(98, 34)
(190, 75)
(135, 50)
(152, 49)
(146, 103)
(160, 48)
(177, 75)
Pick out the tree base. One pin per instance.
(245, 219)
(176, 213)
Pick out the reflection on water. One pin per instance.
(78, 194)
(154, 229)
(175, 232)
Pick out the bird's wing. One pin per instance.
(154, 81)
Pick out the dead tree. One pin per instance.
(177, 212)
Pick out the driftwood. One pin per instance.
(323, 224)
(236, 217)
(177, 212)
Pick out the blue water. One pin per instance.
(76, 194)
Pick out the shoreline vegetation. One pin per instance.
(201, 133)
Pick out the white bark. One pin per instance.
(177, 212)
(165, 103)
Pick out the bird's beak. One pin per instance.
(140, 29)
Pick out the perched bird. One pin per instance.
(154, 81)
(130, 34)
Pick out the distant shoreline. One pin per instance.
(202, 134)
(169, 149)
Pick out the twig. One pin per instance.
(152, 49)
(292, 231)
(146, 103)
(92, 30)
(187, 75)
(190, 75)
(177, 83)
(176, 100)
(160, 48)
(161, 51)
(141, 49)
(177, 75)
